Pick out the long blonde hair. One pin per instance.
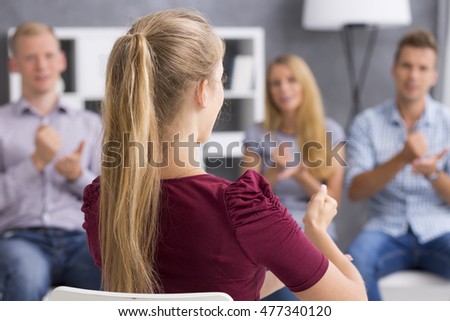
(149, 71)
(310, 124)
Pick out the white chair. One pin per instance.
(413, 285)
(67, 293)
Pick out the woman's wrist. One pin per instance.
(314, 231)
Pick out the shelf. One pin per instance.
(234, 94)
(230, 143)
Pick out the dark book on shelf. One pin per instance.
(68, 76)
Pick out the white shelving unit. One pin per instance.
(243, 105)
(87, 50)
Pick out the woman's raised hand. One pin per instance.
(321, 210)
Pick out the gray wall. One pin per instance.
(282, 22)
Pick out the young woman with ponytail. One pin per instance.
(156, 222)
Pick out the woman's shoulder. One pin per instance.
(251, 181)
(91, 196)
(255, 131)
(331, 124)
(93, 188)
(250, 196)
(335, 128)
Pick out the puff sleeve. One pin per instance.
(269, 236)
(90, 208)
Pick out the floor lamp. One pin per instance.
(350, 17)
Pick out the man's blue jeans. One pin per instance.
(32, 260)
(282, 294)
(376, 254)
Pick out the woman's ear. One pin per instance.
(201, 96)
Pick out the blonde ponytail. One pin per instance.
(129, 110)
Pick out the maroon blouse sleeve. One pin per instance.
(91, 199)
(270, 236)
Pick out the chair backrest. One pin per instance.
(67, 293)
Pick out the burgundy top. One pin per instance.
(222, 236)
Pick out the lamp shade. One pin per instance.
(335, 14)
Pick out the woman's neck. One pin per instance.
(288, 125)
(182, 157)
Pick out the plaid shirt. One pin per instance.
(376, 135)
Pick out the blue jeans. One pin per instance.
(376, 254)
(33, 260)
(283, 294)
